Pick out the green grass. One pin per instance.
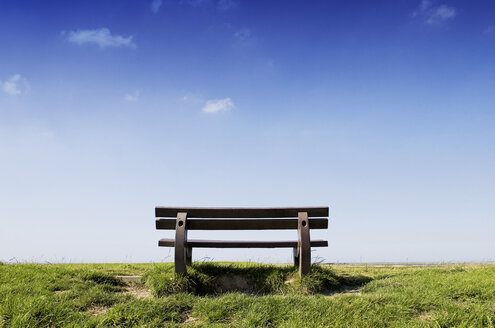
(246, 295)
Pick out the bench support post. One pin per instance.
(180, 243)
(304, 244)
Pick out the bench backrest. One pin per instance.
(273, 218)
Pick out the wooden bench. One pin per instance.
(183, 219)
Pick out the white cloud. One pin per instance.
(134, 97)
(155, 6)
(101, 37)
(11, 86)
(218, 105)
(434, 15)
(224, 5)
(244, 38)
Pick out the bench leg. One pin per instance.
(180, 243)
(304, 244)
(296, 256)
(189, 256)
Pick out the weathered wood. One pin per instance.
(169, 242)
(180, 243)
(304, 244)
(241, 224)
(225, 212)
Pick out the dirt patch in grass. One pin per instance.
(98, 310)
(138, 291)
(289, 281)
(190, 320)
(230, 283)
(134, 288)
(425, 316)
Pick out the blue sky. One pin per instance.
(383, 111)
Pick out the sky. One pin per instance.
(384, 111)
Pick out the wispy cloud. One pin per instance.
(441, 14)
(489, 30)
(156, 5)
(195, 3)
(132, 97)
(218, 105)
(224, 5)
(220, 5)
(191, 98)
(11, 86)
(244, 38)
(102, 37)
(434, 15)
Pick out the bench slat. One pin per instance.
(240, 244)
(224, 212)
(241, 224)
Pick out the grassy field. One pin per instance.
(246, 295)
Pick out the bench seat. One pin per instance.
(169, 242)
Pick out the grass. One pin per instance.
(246, 295)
